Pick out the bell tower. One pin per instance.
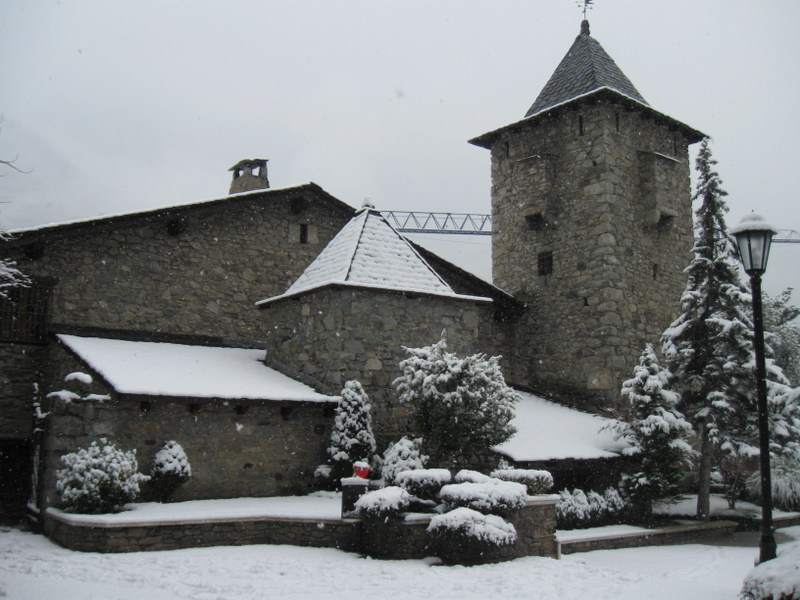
(592, 225)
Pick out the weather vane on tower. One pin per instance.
(586, 5)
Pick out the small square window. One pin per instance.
(545, 263)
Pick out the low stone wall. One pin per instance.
(96, 537)
(535, 524)
(681, 534)
(406, 539)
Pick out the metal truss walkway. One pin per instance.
(481, 224)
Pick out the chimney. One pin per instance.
(248, 175)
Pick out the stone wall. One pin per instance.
(338, 333)
(21, 370)
(195, 270)
(393, 539)
(87, 537)
(592, 229)
(236, 448)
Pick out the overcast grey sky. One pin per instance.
(120, 105)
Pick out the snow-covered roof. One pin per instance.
(369, 252)
(180, 370)
(546, 430)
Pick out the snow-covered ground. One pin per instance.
(33, 568)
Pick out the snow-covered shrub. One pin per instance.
(466, 536)
(170, 470)
(351, 439)
(470, 476)
(383, 503)
(537, 481)
(578, 509)
(98, 479)
(403, 455)
(492, 497)
(80, 383)
(785, 475)
(654, 430)
(461, 406)
(423, 483)
(776, 579)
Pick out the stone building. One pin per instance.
(592, 228)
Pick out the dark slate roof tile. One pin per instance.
(585, 68)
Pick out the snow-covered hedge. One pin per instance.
(466, 536)
(776, 579)
(170, 469)
(98, 479)
(537, 481)
(403, 455)
(383, 503)
(785, 483)
(493, 496)
(578, 509)
(423, 483)
(469, 476)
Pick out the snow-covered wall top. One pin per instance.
(161, 369)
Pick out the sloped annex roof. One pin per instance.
(187, 371)
(369, 253)
(585, 68)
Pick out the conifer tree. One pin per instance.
(709, 346)
(709, 349)
(351, 439)
(462, 406)
(655, 431)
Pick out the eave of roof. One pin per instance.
(487, 140)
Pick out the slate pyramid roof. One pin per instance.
(369, 252)
(586, 71)
(585, 68)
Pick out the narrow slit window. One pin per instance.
(545, 263)
(303, 233)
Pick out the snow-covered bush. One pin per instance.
(383, 503)
(423, 483)
(537, 481)
(776, 579)
(351, 439)
(490, 497)
(470, 476)
(98, 479)
(170, 469)
(403, 455)
(461, 406)
(785, 475)
(578, 509)
(466, 536)
(655, 431)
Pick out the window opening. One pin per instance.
(545, 263)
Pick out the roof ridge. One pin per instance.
(365, 212)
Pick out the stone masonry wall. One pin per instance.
(606, 192)
(21, 367)
(236, 448)
(193, 270)
(335, 334)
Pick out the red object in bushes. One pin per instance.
(361, 470)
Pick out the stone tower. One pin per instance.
(592, 225)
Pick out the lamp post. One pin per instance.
(753, 239)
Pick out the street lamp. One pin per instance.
(753, 239)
